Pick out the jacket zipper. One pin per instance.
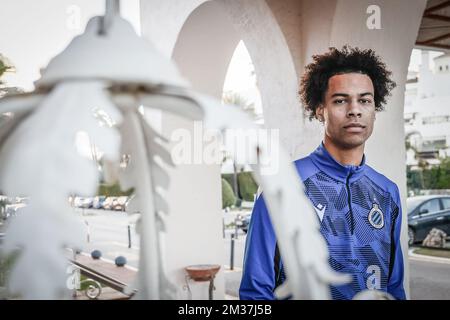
(349, 198)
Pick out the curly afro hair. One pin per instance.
(314, 82)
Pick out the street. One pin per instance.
(429, 280)
(108, 232)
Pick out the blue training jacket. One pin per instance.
(360, 218)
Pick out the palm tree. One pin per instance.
(235, 98)
(6, 66)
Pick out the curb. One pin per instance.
(424, 257)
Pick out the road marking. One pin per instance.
(109, 228)
(113, 243)
(125, 245)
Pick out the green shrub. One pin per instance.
(247, 186)
(6, 264)
(228, 198)
(113, 190)
(435, 177)
(229, 178)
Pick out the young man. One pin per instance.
(358, 208)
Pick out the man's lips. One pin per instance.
(354, 127)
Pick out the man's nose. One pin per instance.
(354, 110)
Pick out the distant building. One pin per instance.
(427, 112)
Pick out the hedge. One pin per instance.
(113, 190)
(228, 198)
(247, 186)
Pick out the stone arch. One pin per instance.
(208, 39)
(201, 37)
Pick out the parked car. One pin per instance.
(107, 204)
(12, 209)
(97, 203)
(243, 221)
(81, 202)
(11, 206)
(116, 203)
(120, 203)
(426, 213)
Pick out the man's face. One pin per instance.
(348, 110)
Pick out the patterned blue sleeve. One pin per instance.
(258, 275)
(395, 284)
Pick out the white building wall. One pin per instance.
(427, 104)
(442, 64)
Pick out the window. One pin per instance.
(440, 68)
(446, 203)
(431, 206)
(411, 204)
(435, 119)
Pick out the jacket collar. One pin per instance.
(326, 163)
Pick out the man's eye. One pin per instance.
(365, 101)
(339, 101)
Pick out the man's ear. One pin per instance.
(319, 113)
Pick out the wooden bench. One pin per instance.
(106, 273)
